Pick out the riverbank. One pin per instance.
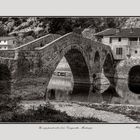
(84, 110)
(43, 113)
(108, 113)
(76, 112)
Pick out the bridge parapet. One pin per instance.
(40, 42)
(65, 40)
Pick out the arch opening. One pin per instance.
(5, 80)
(109, 72)
(97, 62)
(108, 69)
(134, 79)
(76, 76)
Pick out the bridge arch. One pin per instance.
(79, 68)
(75, 50)
(108, 72)
(108, 67)
(126, 72)
(134, 79)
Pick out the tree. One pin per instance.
(3, 32)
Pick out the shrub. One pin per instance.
(8, 106)
(46, 114)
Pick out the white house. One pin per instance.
(7, 43)
(123, 42)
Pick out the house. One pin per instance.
(7, 42)
(125, 43)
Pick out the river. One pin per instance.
(61, 87)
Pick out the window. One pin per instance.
(133, 41)
(119, 51)
(110, 40)
(119, 39)
(136, 51)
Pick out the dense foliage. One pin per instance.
(38, 26)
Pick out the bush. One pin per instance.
(46, 114)
(8, 106)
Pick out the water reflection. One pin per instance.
(127, 96)
(61, 87)
(118, 94)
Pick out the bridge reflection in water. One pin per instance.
(62, 88)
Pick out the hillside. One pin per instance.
(15, 25)
(29, 28)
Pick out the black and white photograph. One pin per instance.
(70, 69)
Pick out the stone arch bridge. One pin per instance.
(28, 68)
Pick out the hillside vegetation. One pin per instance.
(39, 26)
(27, 29)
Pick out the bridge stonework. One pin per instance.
(123, 76)
(31, 65)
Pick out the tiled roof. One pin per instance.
(106, 32)
(133, 32)
(6, 37)
(127, 32)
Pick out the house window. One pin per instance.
(110, 40)
(119, 51)
(119, 39)
(133, 41)
(136, 51)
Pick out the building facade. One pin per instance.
(125, 43)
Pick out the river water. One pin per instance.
(61, 87)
